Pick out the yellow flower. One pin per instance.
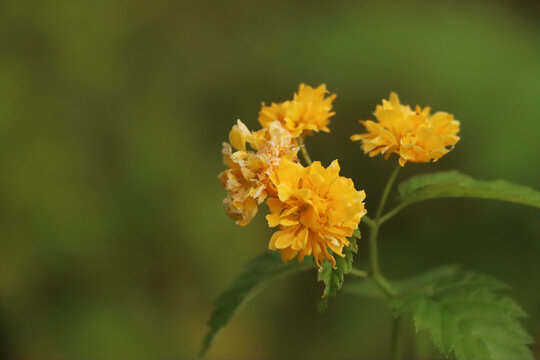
(415, 136)
(247, 178)
(309, 111)
(316, 210)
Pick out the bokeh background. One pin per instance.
(113, 239)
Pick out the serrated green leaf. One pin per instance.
(333, 278)
(258, 273)
(455, 184)
(466, 314)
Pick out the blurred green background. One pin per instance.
(113, 239)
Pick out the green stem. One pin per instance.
(395, 338)
(375, 272)
(369, 221)
(359, 273)
(391, 213)
(374, 264)
(304, 150)
(386, 192)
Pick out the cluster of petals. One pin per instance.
(247, 176)
(415, 136)
(315, 209)
(309, 111)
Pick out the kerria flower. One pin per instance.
(315, 209)
(309, 111)
(247, 176)
(415, 136)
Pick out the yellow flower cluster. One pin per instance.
(315, 208)
(415, 136)
(309, 111)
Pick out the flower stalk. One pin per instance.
(359, 273)
(304, 151)
(386, 192)
(395, 337)
(375, 270)
(376, 273)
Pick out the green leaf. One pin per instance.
(467, 315)
(333, 278)
(455, 184)
(257, 275)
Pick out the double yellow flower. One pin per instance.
(415, 136)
